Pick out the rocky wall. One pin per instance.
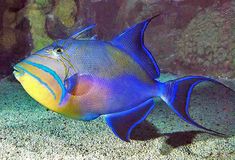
(189, 37)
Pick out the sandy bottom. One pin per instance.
(29, 131)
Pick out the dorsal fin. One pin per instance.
(82, 33)
(94, 37)
(132, 42)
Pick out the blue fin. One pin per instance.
(94, 37)
(177, 93)
(122, 123)
(78, 85)
(132, 41)
(80, 33)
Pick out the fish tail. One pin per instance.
(176, 94)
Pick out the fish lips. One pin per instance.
(18, 72)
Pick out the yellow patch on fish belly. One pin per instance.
(42, 94)
(46, 78)
(37, 91)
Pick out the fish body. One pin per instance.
(102, 66)
(86, 78)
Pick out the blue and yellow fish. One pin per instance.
(84, 78)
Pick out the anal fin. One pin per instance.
(122, 123)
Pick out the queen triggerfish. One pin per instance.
(84, 78)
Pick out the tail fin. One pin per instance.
(176, 94)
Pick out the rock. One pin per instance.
(54, 28)
(211, 37)
(189, 37)
(14, 34)
(37, 21)
(65, 10)
(8, 38)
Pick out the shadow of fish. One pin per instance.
(83, 78)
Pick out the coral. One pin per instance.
(207, 42)
(42, 3)
(65, 10)
(37, 23)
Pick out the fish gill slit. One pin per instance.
(66, 70)
(69, 63)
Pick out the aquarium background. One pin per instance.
(190, 37)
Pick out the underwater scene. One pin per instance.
(117, 79)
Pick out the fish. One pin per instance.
(84, 78)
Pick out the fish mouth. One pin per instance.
(18, 72)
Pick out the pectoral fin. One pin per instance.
(78, 85)
(122, 123)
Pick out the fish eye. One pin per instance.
(58, 50)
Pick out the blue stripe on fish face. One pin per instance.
(52, 73)
(38, 79)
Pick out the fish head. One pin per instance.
(42, 75)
